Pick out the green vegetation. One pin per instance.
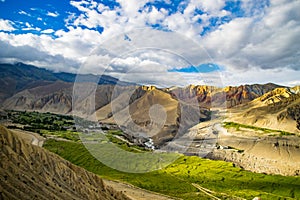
(35, 121)
(237, 126)
(112, 137)
(238, 150)
(45, 124)
(62, 126)
(68, 135)
(224, 180)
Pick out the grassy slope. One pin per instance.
(176, 180)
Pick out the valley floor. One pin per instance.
(191, 177)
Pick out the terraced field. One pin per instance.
(189, 177)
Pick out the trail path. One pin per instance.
(33, 138)
(206, 191)
(136, 193)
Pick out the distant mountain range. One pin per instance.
(17, 77)
(25, 87)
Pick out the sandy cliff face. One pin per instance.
(30, 172)
(271, 157)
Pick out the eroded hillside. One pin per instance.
(30, 172)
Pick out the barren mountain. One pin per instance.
(58, 97)
(152, 112)
(278, 109)
(209, 96)
(121, 98)
(30, 172)
(145, 109)
(246, 93)
(54, 97)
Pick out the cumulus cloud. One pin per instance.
(32, 55)
(284, 77)
(147, 57)
(72, 45)
(266, 37)
(52, 14)
(255, 37)
(268, 43)
(30, 27)
(212, 7)
(22, 12)
(48, 31)
(6, 25)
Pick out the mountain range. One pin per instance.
(25, 87)
(17, 77)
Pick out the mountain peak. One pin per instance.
(296, 89)
(148, 88)
(276, 95)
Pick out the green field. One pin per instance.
(237, 126)
(179, 178)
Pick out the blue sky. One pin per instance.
(51, 14)
(203, 68)
(36, 13)
(244, 37)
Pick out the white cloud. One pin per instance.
(268, 42)
(263, 41)
(284, 76)
(155, 16)
(32, 55)
(212, 7)
(131, 8)
(229, 38)
(73, 45)
(52, 14)
(48, 31)
(30, 27)
(147, 57)
(6, 25)
(22, 12)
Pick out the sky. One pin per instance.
(154, 42)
